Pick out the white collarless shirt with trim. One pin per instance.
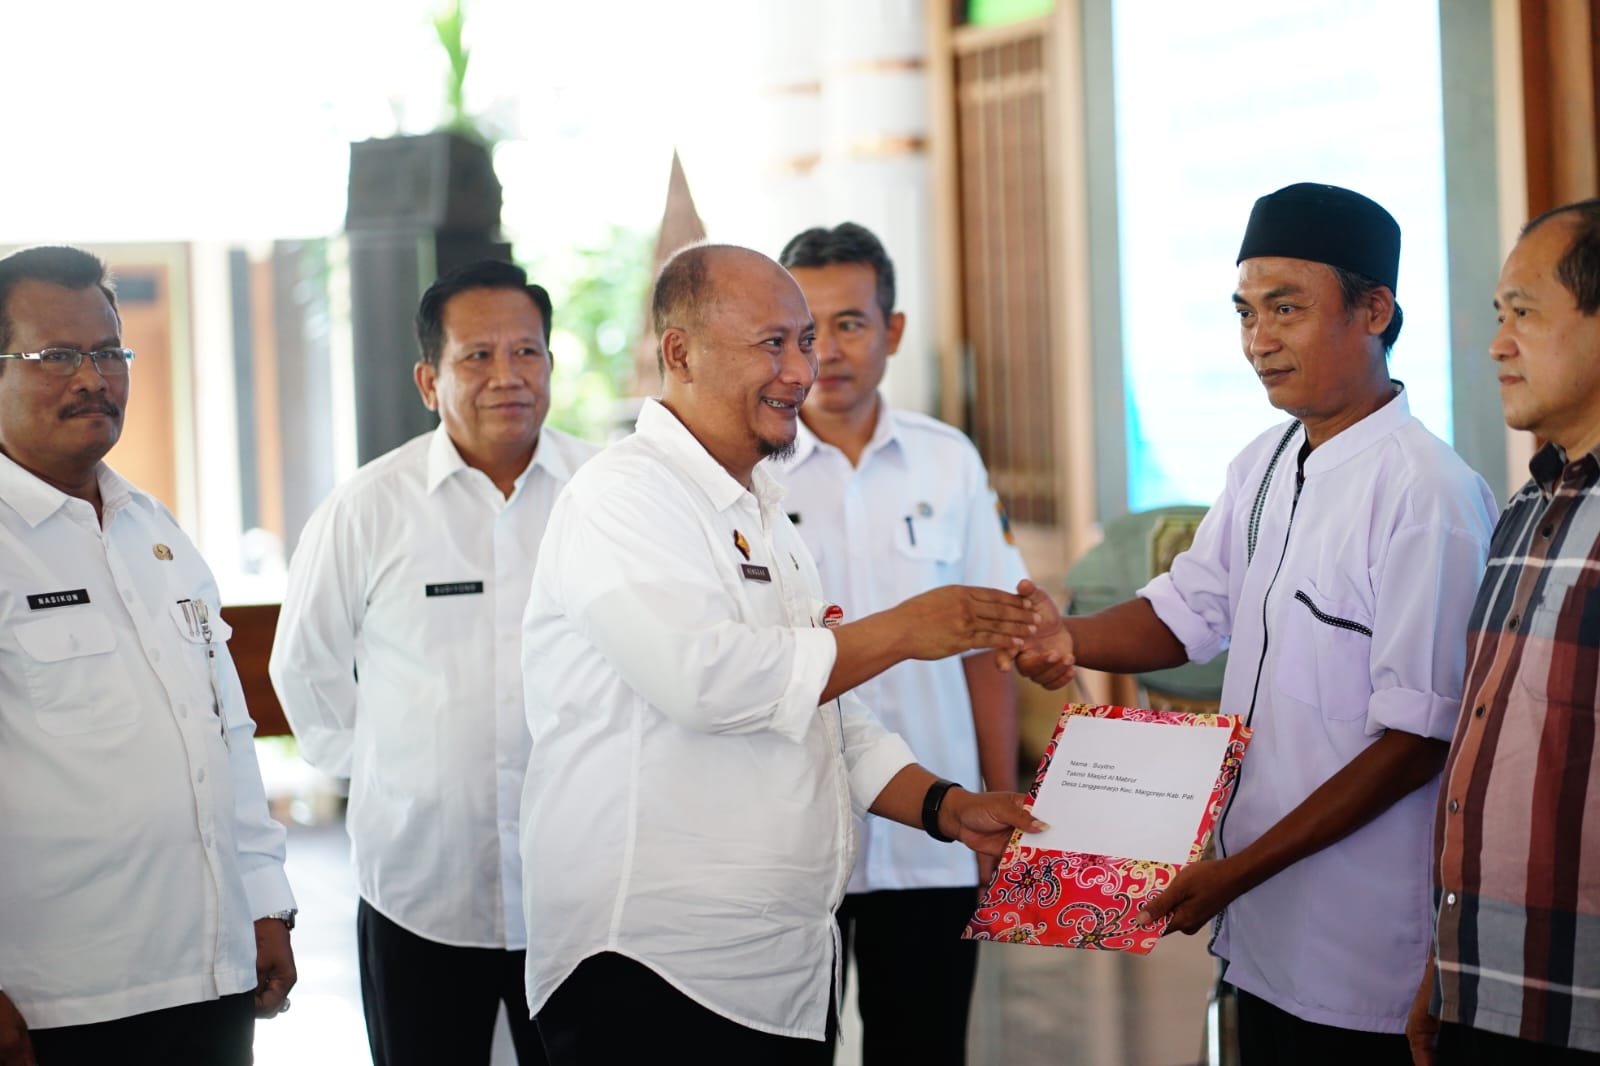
(916, 513)
(397, 660)
(135, 846)
(1354, 612)
(688, 803)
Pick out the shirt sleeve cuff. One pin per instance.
(267, 890)
(1407, 710)
(814, 654)
(872, 767)
(1200, 642)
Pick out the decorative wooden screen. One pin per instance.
(1001, 87)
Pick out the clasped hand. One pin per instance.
(1045, 656)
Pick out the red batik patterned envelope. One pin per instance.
(1081, 900)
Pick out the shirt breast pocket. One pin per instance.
(200, 647)
(72, 673)
(1561, 654)
(1326, 658)
(927, 552)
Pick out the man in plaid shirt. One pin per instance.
(1516, 974)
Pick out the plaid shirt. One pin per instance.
(1517, 843)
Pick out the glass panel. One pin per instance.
(1217, 104)
(999, 12)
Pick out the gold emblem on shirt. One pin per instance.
(162, 552)
(742, 544)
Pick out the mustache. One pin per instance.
(88, 407)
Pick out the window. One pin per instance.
(1216, 105)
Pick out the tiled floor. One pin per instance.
(1033, 1006)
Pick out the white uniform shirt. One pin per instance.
(135, 846)
(688, 803)
(1354, 609)
(397, 661)
(916, 513)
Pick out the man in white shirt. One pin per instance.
(698, 758)
(892, 503)
(397, 663)
(1340, 565)
(144, 913)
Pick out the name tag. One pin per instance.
(756, 573)
(57, 599)
(455, 588)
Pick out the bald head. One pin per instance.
(691, 281)
(736, 351)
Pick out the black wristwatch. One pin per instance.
(931, 802)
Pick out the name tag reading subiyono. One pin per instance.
(455, 588)
(756, 573)
(65, 598)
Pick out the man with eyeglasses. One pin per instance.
(397, 661)
(144, 912)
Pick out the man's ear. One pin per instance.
(675, 355)
(1378, 307)
(426, 375)
(897, 328)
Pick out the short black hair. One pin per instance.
(681, 289)
(483, 274)
(1354, 288)
(848, 242)
(1578, 269)
(71, 268)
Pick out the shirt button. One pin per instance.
(201, 776)
(1479, 712)
(1450, 900)
(1546, 531)
(1512, 624)
(1455, 805)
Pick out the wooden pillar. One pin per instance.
(1560, 85)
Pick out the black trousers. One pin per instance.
(1460, 1045)
(217, 1032)
(915, 972)
(613, 1010)
(429, 1003)
(1270, 1036)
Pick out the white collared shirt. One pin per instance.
(1354, 610)
(688, 803)
(397, 662)
(916, 513)
(135, 846)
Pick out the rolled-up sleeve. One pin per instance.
(1192, 599)
(1419, 631)
(872, 753)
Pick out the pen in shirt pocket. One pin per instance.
(911, 531)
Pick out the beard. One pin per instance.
(777, 450)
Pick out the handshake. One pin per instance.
(1024, 629)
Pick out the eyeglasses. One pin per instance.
(64, 362)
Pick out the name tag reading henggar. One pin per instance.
(753, 572)
(455, 588)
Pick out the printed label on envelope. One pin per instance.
(1131, 797)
